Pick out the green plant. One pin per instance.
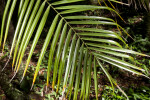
(74, 47)
(142, 45)
(142, 93)
(112, 94)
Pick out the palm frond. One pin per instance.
(70, 44)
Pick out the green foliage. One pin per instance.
(140, 44)
(142, 93)
(73, 39)
(110, 94)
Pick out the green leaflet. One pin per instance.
(69, 62)
(83, 86)
(119, 61)
(93, 22)
(20, 6)
(112, 53)
(26, 30)
(106, 72)
(19, 24)
(38, 33)
(114, 48)
(3, 20)
(95, 79)
(102, 40)
(52, 49)
(79, 10)
(73, 69)
(89, 17)
(29, 36)
(64, 56)
(88, 79)
(78, 74)
(90, 7)
(58, 54)
(100, 31)
(94, 30)
(65, 2)
(48, 38)
(120, 66)
(102, 35)
(23, 28)
(8, 20)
